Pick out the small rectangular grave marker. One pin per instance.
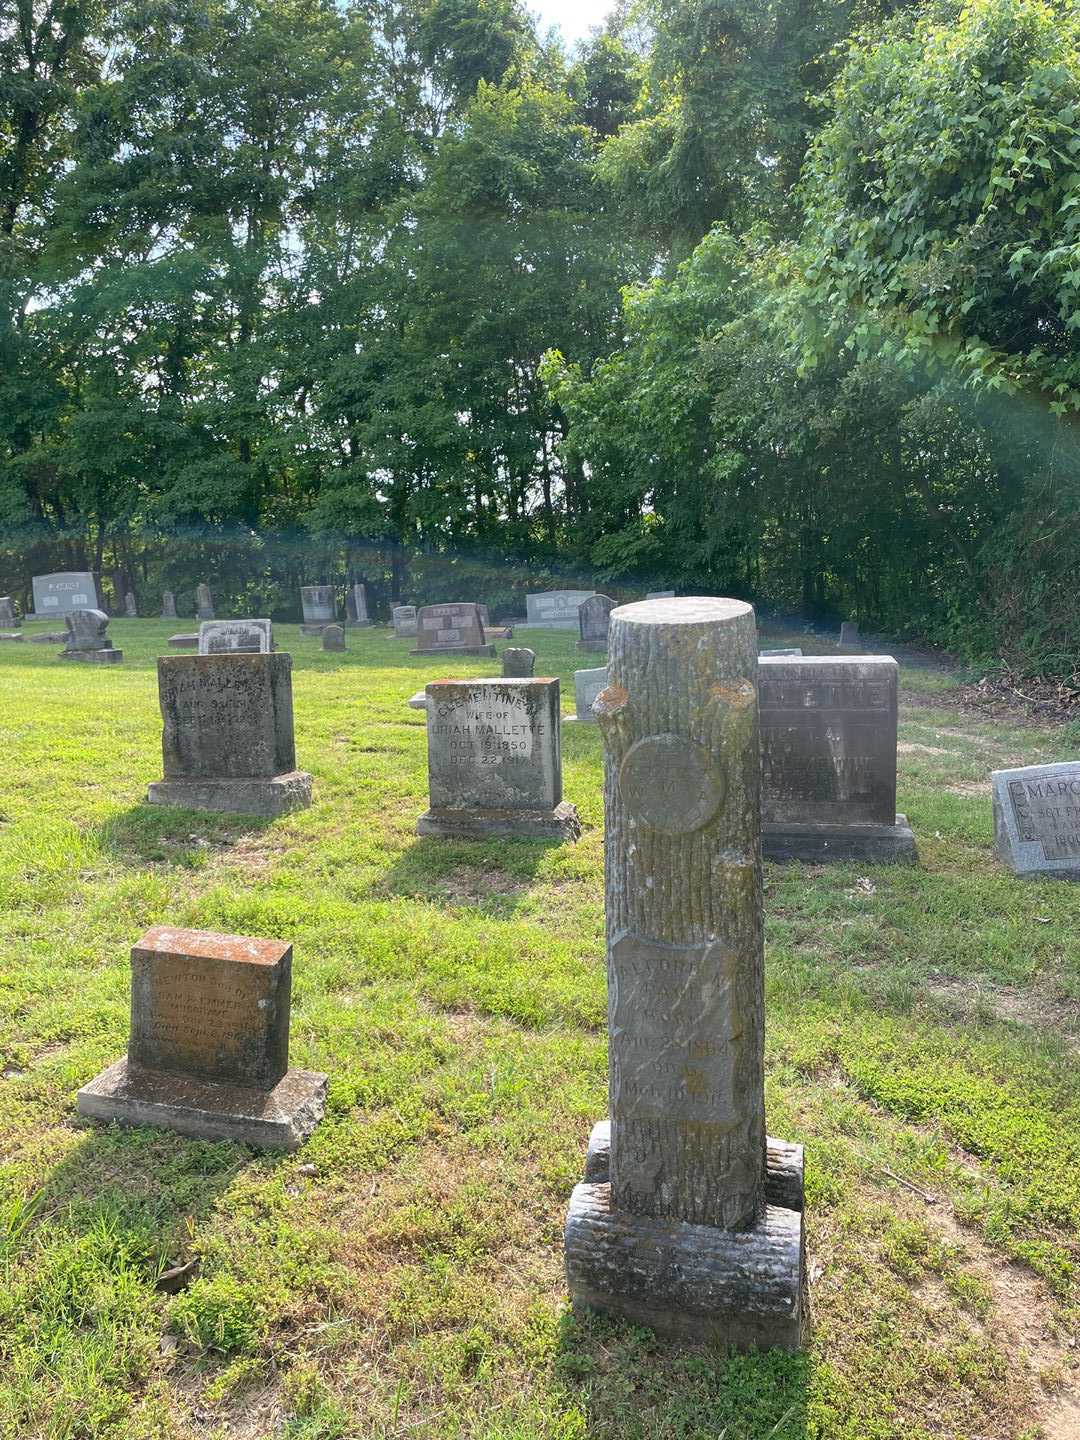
(208, 1051)
(236, 637)
(204, 604)
(404, 621)
(587, 685)
(1037, 819)
(452, 628)
(319, 604)
(494, 761)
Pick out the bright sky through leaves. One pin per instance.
(575, 18)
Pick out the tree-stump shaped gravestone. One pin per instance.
(687, 1221)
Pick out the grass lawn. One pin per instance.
(401, 1275)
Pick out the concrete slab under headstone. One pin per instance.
(1037, 819)
(453, 628)
(208, 1050)
(828, 751)
(495, 762)
(555, 609)
(227, 736)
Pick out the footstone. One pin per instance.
(828, 753)
(189, 641)
(236, 637)
(8, 620)
(356, 611)
(208, 1051)
(555, 609)
(593, 622)
(849, 633)
(494, 761)
(168, 605)
(87, 641)
(319, 604)
(58, 595)
(451, 629)
(781, 653)
(227, 737)
(204, 604)
(679, 1229)
(333, 638)
(404, 621)
(518, 662)
(587, 686)
(1037, 819)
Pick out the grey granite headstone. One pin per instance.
(87, 641)
(828, 753)
(333, 638)
(419, 701)
(168, 605)
(8, 620)
(320, 608)
(518, 662)
(494, 761)
(57, 595)
(1037, 819)
(587, 686)
(678, 1225)
(356, 611)
(236, 637)
(208, 1050)
(555, 609)
(849, 633)
(131, 610)
(204, 604)
(227, 735)
(780, 652)
(452, 628)
(404, 621)
(593, 622)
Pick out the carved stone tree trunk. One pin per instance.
(686, 1221)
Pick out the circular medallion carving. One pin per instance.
(668, 783)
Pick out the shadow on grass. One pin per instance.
(464, 872)
(630, 1383)
(166, 834)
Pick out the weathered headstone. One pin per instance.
(828, 753)
(208, 1050)
(660, 595)
(57, 595)
(234, 637)
(451, 629)
(227, 735)
(356, 611)
(555, 609)
(678, 1225)
(333, 638)
(189, 640)
(518, 662)
(419, 701)
(319, 604)
(168, 605)
(8, 618)
(1037, 819)
(204, 604)
(780, 652)
(119, 588)
(587, 686)
(404, 621)
(849, 633)
(593, 622)
(494, 761)
(131, 610)
(87, 641)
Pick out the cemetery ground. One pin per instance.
(401, 1275)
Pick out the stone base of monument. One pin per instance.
(488, 650)
(281, 1118)
(561, 823)
(244, 795)
(94, 657)
(821, 844)
(740, 1288)
(185, 642)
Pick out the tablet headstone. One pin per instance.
(555, 609)
(403, 618)
(208, 1051)
(453, 628)
(168, 605)
(1037, 819)
(587, 685)
(236, 637)
(204, 604)
(593, 622)
(8, 619)
(849, 633)
(333, 638)
(356, 611)
(518, 662)
(494, 761)
(58, 595)
(676, 1226)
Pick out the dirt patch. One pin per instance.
(254, 854)
(468, 884)
(969, 787)
(1003, 695)
(910, 748)
(1025, 1007)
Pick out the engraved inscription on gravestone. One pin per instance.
(236, 637)
(60, 594)
(555, 609)
(449, 628)
(1037, 819)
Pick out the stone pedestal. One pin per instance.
(681, 1230)
(227, 737)
(208, 1053)
(495, 762)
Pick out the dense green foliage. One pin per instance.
(776, 299)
